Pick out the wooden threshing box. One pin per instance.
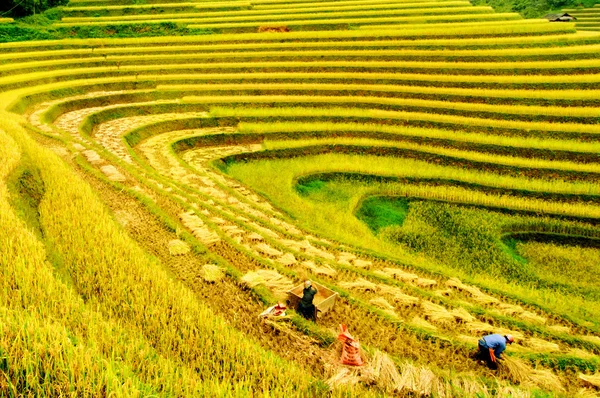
(323, 301)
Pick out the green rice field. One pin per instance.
(435, 164)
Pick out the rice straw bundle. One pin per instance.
(178, 247)
(112, 173)
(463, 315)
(541, 345)
(510, 309)
(422, 323)
(319, 269)
(385, 373)
(362, 263)
(211, 272)
(519, 372)
(383, 304)
(437, 313)
(272, 279)
(424, 282)
(267, 250)
(587, 393)
(477, 327)
(514, 370)
(419, 380)
(560, 328)
(592, 380)
(475, 293)
(398, 273)
(360, 284)
(547, 380)
(397, 295)
(287, 259)
(532, 317)
(313, 251)
(343, 377)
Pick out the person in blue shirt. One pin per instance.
(492, 346)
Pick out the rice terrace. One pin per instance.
(176, 174)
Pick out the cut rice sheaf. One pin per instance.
(272, 279)
(178, 247)
(211, 272)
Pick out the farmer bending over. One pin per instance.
(491, 348)
(306, 307)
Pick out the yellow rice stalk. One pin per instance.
(479, 328)
(397, 295)
(477, 294)
(436, 313)
(211, 272)
(547, 380)
(425, 282)
(532, 317)
(540, 345)
(178, 247)
(514, 370)
(398, 273)
(360, 284)
(322, 269)
(272, 279)
(462, 315)
(587, 393)
(382, 303)
(519, 372)
(592, 380)
(419, 322)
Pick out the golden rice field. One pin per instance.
(435, 163)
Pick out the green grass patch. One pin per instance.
(379, 212)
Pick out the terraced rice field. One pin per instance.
(133, 167)
(587, 18)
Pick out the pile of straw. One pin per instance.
(560, 328)
(313, 251)
(397, 273)
(92, 157)
(268, 250)
(319, 269)
(362, 263)
(437, 313)
(532, 317)
(360, 284)
(422, 323)
(381, 371)
(382, 303)
(287, 259)
(272, 279)
(479, 328)
(345, 258)
(463, 315)
(475, 293)
(519, 372)
(510, 309)
(211, 273)
(592, 380)
(541, 345)
(178, 247)
(398, 296)
(199, 229)
(112, 173)
(424, 282)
